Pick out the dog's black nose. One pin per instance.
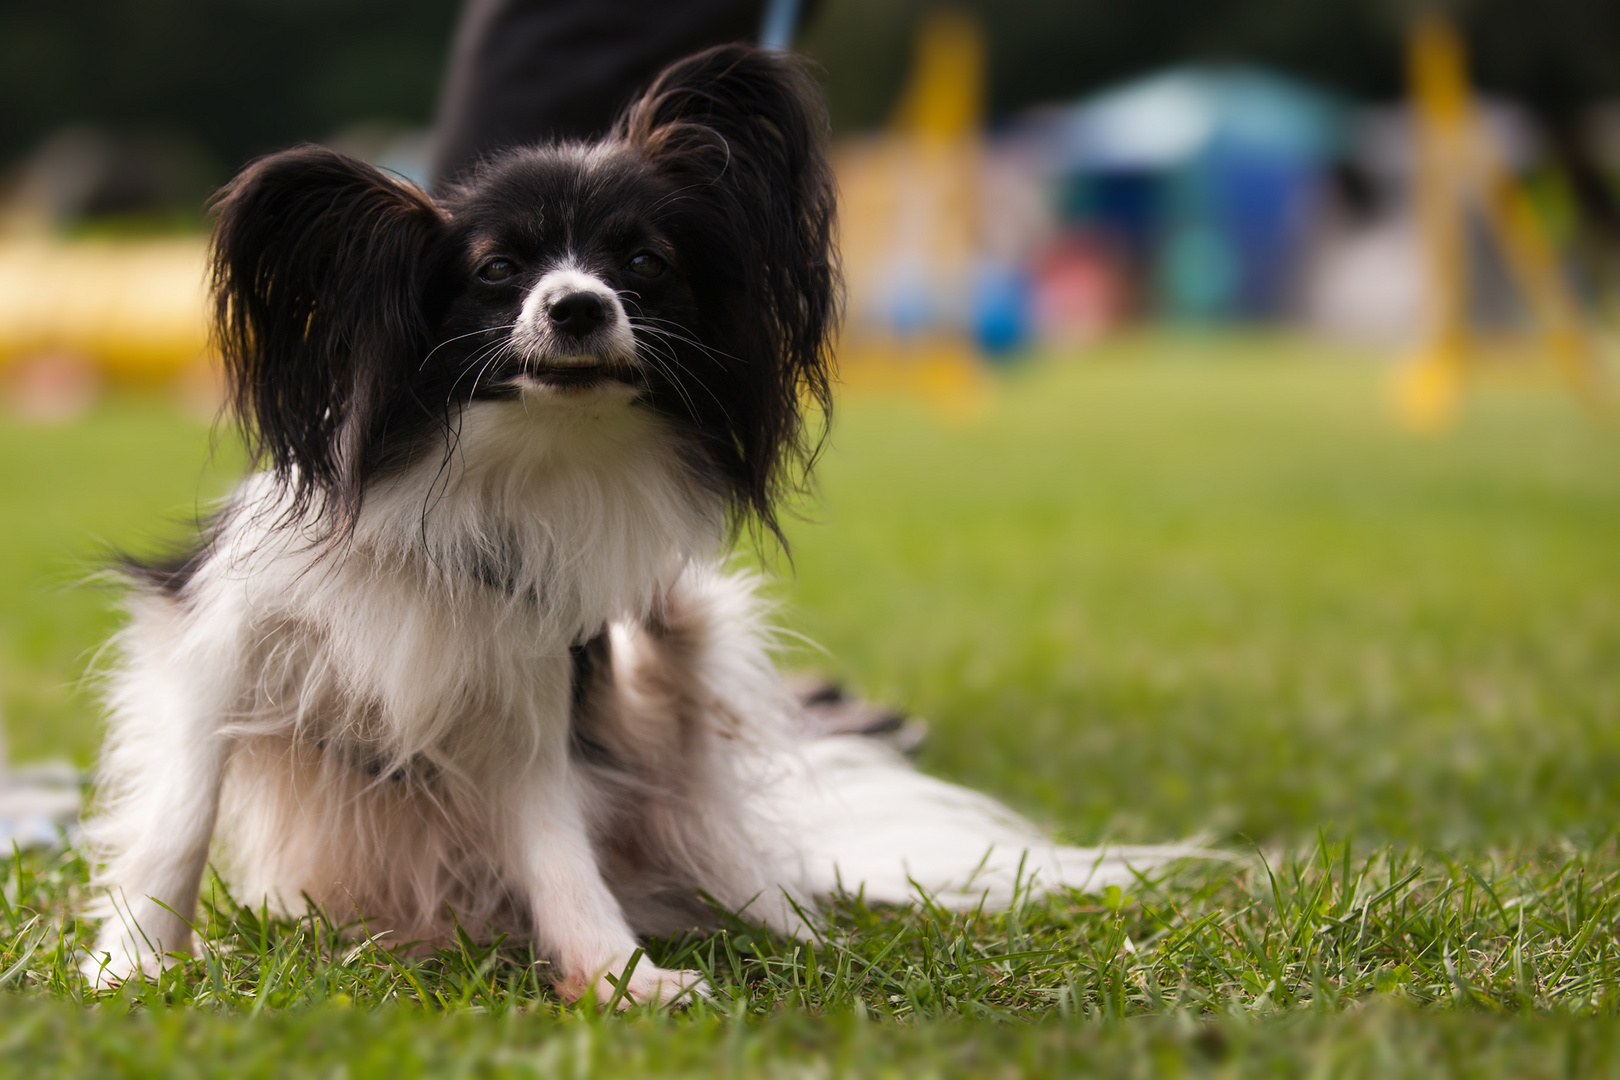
(577, 313)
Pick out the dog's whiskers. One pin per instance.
(656, 337)
(461, 337)
(652, 357)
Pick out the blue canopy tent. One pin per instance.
(1204, 175)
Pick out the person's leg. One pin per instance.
(530, 71)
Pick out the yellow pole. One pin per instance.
(1534, 265)
(1429, 386)
(1457, 167)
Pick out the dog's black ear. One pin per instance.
(743, 132)
(316, 278)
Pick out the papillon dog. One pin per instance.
(463, 649)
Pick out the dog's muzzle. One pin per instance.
(573, 325)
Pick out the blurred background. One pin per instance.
(1222, 439)
(1016, 174)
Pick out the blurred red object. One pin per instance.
(52, 388)
(1080, 291)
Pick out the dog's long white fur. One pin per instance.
(383, 723)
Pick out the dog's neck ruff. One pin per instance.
(579, 509)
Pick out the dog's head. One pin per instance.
(684, 265)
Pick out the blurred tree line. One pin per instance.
(1555, 55)
(240, 77)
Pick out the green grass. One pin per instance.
(134, 476)
(1185, 587)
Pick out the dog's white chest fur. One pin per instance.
(444, 622)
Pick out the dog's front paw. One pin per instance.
(661, 986)
(115, 958)
(145, 936)
(647, 983)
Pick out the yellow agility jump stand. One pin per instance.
(134, 311)
(1458, 170)
(911, 197)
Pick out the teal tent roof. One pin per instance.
(1170, 119)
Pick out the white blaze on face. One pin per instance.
(539, 339)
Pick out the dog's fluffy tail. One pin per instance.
(869, 823)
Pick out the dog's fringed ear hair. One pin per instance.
(742, 131)
(316, 280)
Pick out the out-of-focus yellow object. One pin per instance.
(909, 219)
(944, 98)
(1458, 167)
(134, 309)
(942, 371)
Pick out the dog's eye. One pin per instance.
(496, 271)
(647, 265)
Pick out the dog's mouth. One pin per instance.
(576, 373)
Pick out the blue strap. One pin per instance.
(781, 20)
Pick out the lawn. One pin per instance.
(1180, 587)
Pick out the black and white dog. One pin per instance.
(462, 648)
